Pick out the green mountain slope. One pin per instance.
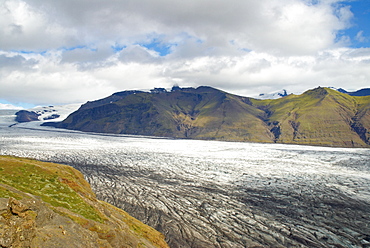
(317, 117)
(51, 205)
(321, 117)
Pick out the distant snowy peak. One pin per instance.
(274, 95)
(361, 92)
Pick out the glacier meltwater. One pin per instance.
(216, 194)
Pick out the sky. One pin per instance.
(72, 51)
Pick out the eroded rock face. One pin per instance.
(30, 223)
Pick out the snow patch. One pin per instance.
(274, 95)
(46, 113)
(55, 113)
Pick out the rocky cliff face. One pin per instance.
(51, 205)
(317, 117)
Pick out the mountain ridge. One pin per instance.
(321, 116)
(361, 92)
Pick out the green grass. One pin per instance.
(58, 187)
(5, 193)
(69, 195)
(321, 116)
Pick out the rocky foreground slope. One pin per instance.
(320, 116)
(51, 205)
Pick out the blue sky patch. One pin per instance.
(30, 52)
(78, 47)
(360, 30)
(157, 45)
(18, 104)
(117, 48)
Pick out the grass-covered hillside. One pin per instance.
(320, 117)
(317, 117)
(51, 205)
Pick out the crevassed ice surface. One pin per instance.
(217, 194)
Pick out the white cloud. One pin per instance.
(8, 106)
(50, 82)
(73, 51)
(360, 36)
(138, 54)
(24, 27)
(286, 26)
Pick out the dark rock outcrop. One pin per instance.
(26, 116)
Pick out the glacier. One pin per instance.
(213, 193)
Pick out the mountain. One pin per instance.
(51, 205)
(202, 113)
(320, 117)
(361, 92)
(317, 117)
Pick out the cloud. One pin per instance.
(52, 82)
(86, 57)
(49, 81)
(24, 27)
(8, 106)
(13, 62)
(138, 54)
(56, 52)
(275, 25)
(360, 36)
